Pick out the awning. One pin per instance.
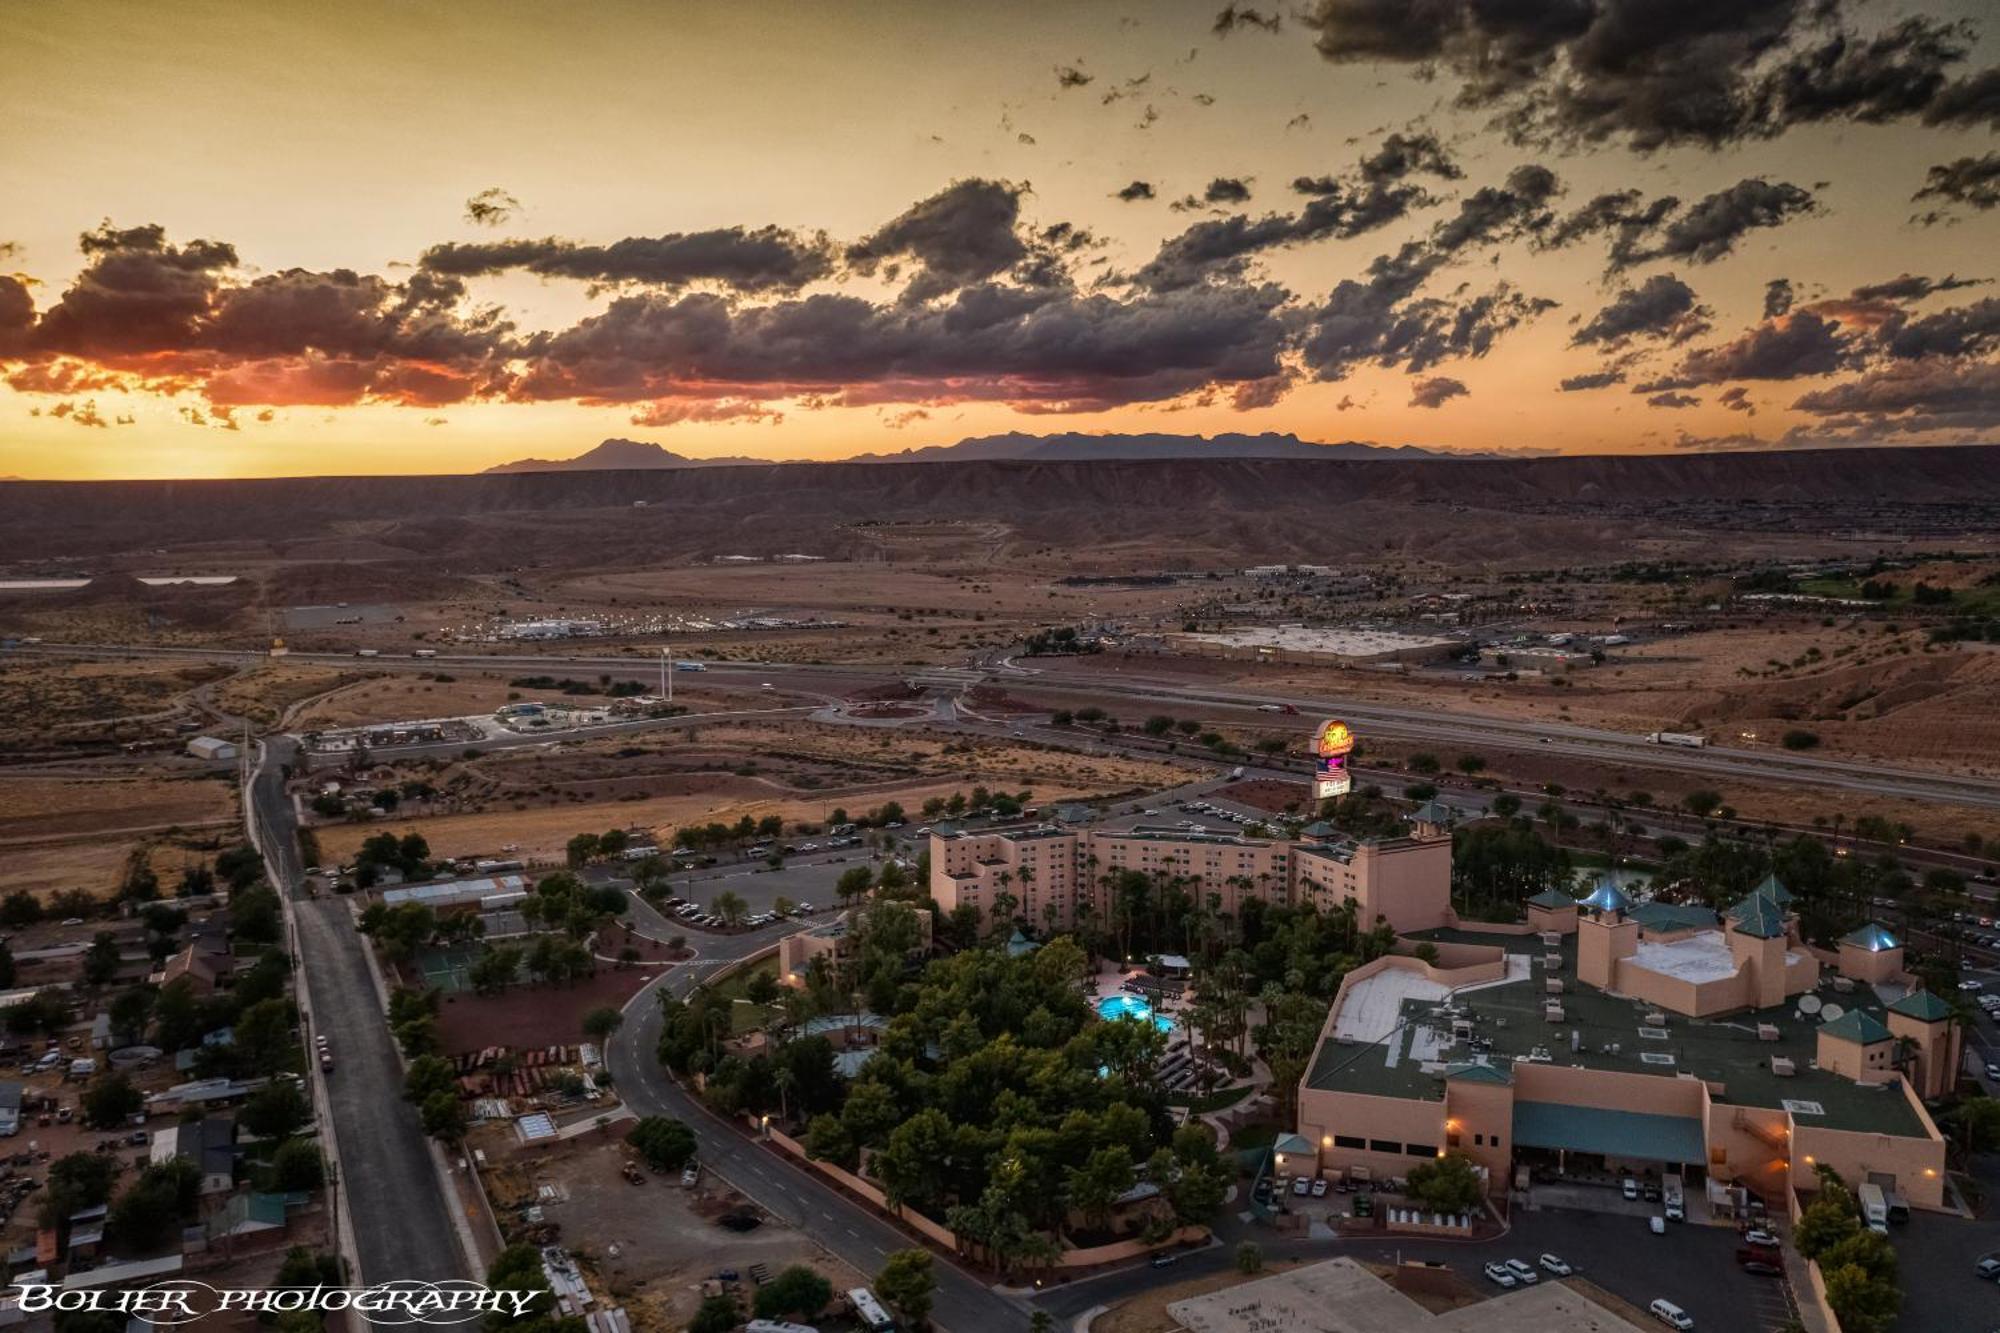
(1634, 1134)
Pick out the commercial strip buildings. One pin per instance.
(1608, 1036)
(1405, 881)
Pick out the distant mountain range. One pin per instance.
(1068, 446)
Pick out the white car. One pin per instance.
(1657, 1225)
(1319, 1189)
(1501, 1275)
(1301, 1187)
(1963, 985)
(1631, 1188)
(1759, 1236)
(1555, 1267)
(1671, 1315)
(1522, 1272)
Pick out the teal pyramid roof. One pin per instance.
(1759, 916)
(1857, 1025)
(1872, 937)
(1922, 1006)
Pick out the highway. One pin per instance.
(1070, 683)
(401, 1223)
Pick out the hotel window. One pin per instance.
(1349, 1141)
(1384, 1145)
(1451, 1140)
(1420, 1150)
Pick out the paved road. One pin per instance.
(402, 1224)
(1693, 1266)
(796, 1194)
(1071, 682)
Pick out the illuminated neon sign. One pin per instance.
(1332, 744)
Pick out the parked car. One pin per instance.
(1165, 1260)
(1631, 1188)
(1501, 1275)
(1989, 1267)
(690, 1174)
(1301, 1187)
(1523, 1274)
(1319, 1189)
(1657, 1225)
(1671, 1315)
(1555, 1267)
(1759, 1236)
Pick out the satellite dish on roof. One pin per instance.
(1810, 1004)
(1830, 1012)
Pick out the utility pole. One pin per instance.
(667, 672)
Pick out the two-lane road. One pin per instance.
(858, 1235)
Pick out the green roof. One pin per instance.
(1857, 1025)
(1871, 937)
(1923, 1006)
(1672, 916)
(1772, 889)
(1552, 898)
(1760, 916)
(1479, 1073)
(1625, 1134)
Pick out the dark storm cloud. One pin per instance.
(136, 292)
(1226, 190)
(1913, 397)
(766, 259)
(1659, 74)
(1593, 379)
(965, 233)
(17, 314)
(1372, 196)
(1436, 391)
(1662, 307)
(1381, 321)
(491, 207)
(1968, 330)
(1911, 287)
(1135, 191)
(1974, 100)
(1642, 232)
(1972, 181)
(1778, 297)
(1236, 16)
(1041, 350)
(1800, 345)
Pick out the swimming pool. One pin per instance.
(1131, 1006)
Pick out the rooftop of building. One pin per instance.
(1394, 1038)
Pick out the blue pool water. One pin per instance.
(1131, 1006)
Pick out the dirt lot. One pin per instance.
(541, 812)
(408, 698)
(42, 807)
(71, 702)
(667, 1239)
(263, 692)
(529, 1016)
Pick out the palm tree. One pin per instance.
(784, 1080)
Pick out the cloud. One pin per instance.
(1662, 307)
(1658, 75)
(1137, 190)
(1973, 181)
(1778, 297)
(675, 411)
(1501, 212)
(491, 207)
(764, 259)
(964, 234)
(1226, 190)
(1673, 399)
(1592, 379)
(1910, 287)
(1911, 398)
(1236, 16)
(1382, 321)
(1967, 330)
(1069, 76)
(1436, 391)
(1737, 399)
(1643, 231)
(1797, 345)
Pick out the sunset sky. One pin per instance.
(248, 240)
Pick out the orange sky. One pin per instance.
(351, 138)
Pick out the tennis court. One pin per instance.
(447, 969)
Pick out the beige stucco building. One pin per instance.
(1048, 873)
(1619, 1036)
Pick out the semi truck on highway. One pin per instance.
(1687, 740)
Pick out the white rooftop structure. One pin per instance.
(489, 891)
(1700, 957)
(1331, 641)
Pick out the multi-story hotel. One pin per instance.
(1048, 873)
(1607, 1036)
